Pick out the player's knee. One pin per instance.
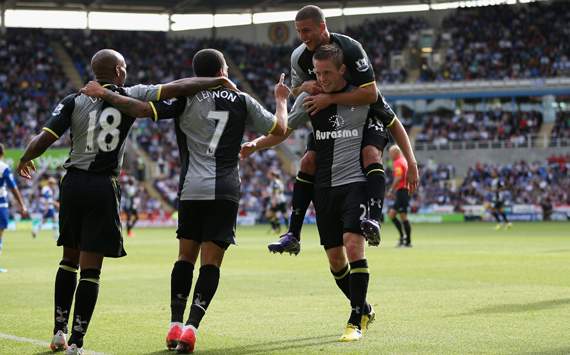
(354, 246)
(392, 214)
(309, 163)
(371, 155)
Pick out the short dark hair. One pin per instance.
(1, 149)
(208, 62)
(310, 12)
(330, 52)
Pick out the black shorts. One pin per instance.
(89, 213)
(208, 221)
(280, 207)
(374, 134)
(402, 202)
(339, 210)
(498, 205)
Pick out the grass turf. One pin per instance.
(463, 288)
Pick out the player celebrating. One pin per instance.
(312, 30)
(7, 181)
(90, 227)
(340, 184)
(210, 127)
(400, 190)
(48, 206)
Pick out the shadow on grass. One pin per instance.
(517, 308)
(259, 348)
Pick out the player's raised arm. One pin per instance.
(401, 138)
(281, 92)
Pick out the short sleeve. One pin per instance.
(298, 76)
(60, 119)
(9, 178)
(359, 66)
(144, 92)
(382, 112)
(261, 120)
(168, 109)
(298, 115)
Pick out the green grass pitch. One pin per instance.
(462, 289)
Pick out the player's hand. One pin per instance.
(24, 212)
(316, 103)
(311, 87)
(93, 89)
(413, 177)
(227, 83)
(25, 169)
(281, 91)
(247, 149)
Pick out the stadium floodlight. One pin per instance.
(225, 20)
(191, 22)
(45, 19)
(128, 21)
(349, 11)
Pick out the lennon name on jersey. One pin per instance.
(224, 94)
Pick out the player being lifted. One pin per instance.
(7, 181)
(210, 127)
(312, 30)
(90, 227)
(340, 184)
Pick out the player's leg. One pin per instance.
(392, 214)
(85, 296)
(505, 219)
(303, 191)
(375, 189)
(407, 229)
(65, 284)
(218, 235)
(495, 214)
(189, 236)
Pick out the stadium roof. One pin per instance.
(196, 6)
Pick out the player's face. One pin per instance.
(329, 77)
(310, 32)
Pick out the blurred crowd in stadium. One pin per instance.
(533, 44)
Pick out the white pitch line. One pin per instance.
(38, 342)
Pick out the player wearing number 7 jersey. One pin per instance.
(209, 127)
(90, 228)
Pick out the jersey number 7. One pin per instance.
(220, 120)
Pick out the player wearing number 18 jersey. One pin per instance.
(90, 227)
(209, 127)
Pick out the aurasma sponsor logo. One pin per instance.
(341, 133)
(224, 94)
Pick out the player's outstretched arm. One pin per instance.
(38, 145)
(190, 86)
(125, 104)
(281, 92)
(403, 141)
(262, 142)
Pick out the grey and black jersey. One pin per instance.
(338, 133)
(209, 128)
(98, 130)
(359, 70)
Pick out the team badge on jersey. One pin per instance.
(362, 65)
(336, 121)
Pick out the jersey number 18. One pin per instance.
(109, 120)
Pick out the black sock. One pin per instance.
(302, 196)
(359, 276)
(375, 188)
(496, 215)
(180, 285)
(342, 279)
(85, 300)
(204, 291)
(504, 217)
(408, 229)
(65, 283)
(399, 228)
